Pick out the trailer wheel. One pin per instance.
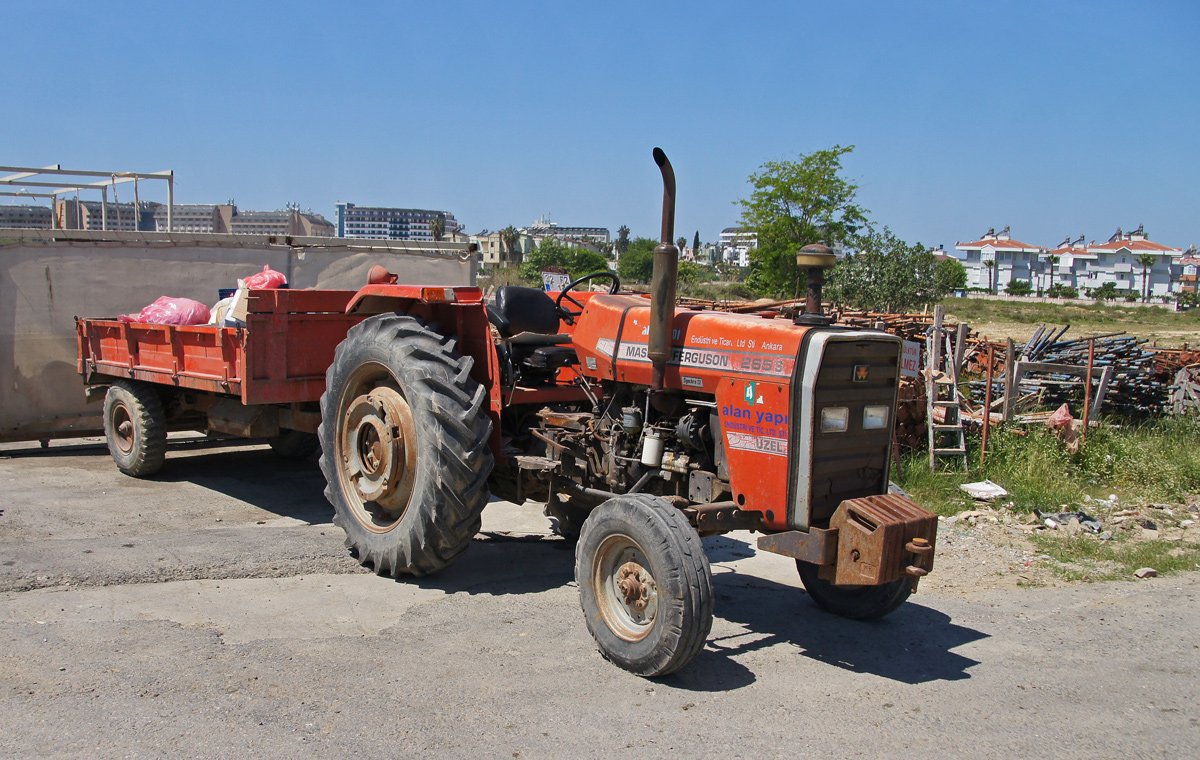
(404, 445)
(135, 427)
(854, 602)
(294, 444)
(644, 584)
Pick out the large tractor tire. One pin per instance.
(294, 444)
(854, 602)
(135, 427)
(644, 584)
(404, 446)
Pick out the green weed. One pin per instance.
(1088, 559)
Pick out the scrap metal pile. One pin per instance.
(1142, 376)
(1145, 381)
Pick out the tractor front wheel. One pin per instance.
(135, 427)
(404, 445)
(644, 584)
(854, 602)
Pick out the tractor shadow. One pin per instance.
(244, 469)
(912, 645)
(256, 476)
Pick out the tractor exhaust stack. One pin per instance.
(662, 288)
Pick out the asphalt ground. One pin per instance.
(213, 611)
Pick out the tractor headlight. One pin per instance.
(875, 417)
(835, 419)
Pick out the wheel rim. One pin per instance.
(625, 588)
(123, 431)
(377, 448)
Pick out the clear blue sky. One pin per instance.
(1056, 118)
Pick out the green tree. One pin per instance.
(1060, 290)
(637, 263)
(886, 274)
(681, 243)
(1018, 288)
(991, 267)
(438, 227)
(1052, 260)
(509, 237)
(696, 244)
(1146, 260)
(622, 240)
(1106, 292)
(949, 275)
(793, 204)
(551, 252)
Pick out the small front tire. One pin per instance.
(644, 584)
(854, 602)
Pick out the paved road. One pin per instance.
(213, 612)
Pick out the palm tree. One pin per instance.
(1147, 261)
(509, 238)
(991, 266)
(622, 240)
(1052, 260)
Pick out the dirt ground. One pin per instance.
(993, 548)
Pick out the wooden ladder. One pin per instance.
(947, 438)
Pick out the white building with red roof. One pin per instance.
(1133, 263)
(1063, 265)
(996, 259)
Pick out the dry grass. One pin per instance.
(1018, 319)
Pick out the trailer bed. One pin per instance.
(280, 357)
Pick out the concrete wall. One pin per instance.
(47, 278)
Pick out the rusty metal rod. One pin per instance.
(1087, 386)
(987, 404)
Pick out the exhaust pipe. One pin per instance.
(662, 287)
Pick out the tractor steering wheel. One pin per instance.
(567, 315)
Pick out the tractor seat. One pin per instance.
(528, 314)
(551, 357)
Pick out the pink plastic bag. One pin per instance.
(171, 311)
(267, 279)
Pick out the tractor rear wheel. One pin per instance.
(404, 445)
(294, 444)
(854, 602)
(644, 584)
(135, 427)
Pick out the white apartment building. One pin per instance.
(996, 259)
(735, 246)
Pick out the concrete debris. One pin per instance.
(1082, 521)
(1145, 572)
(984, 490)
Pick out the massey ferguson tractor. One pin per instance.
(641, 427)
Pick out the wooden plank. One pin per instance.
(1105, 377)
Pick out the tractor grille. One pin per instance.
(854, 463)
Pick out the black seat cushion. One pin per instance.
(520, 309)
(551, 357)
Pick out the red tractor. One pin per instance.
(640, 426)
